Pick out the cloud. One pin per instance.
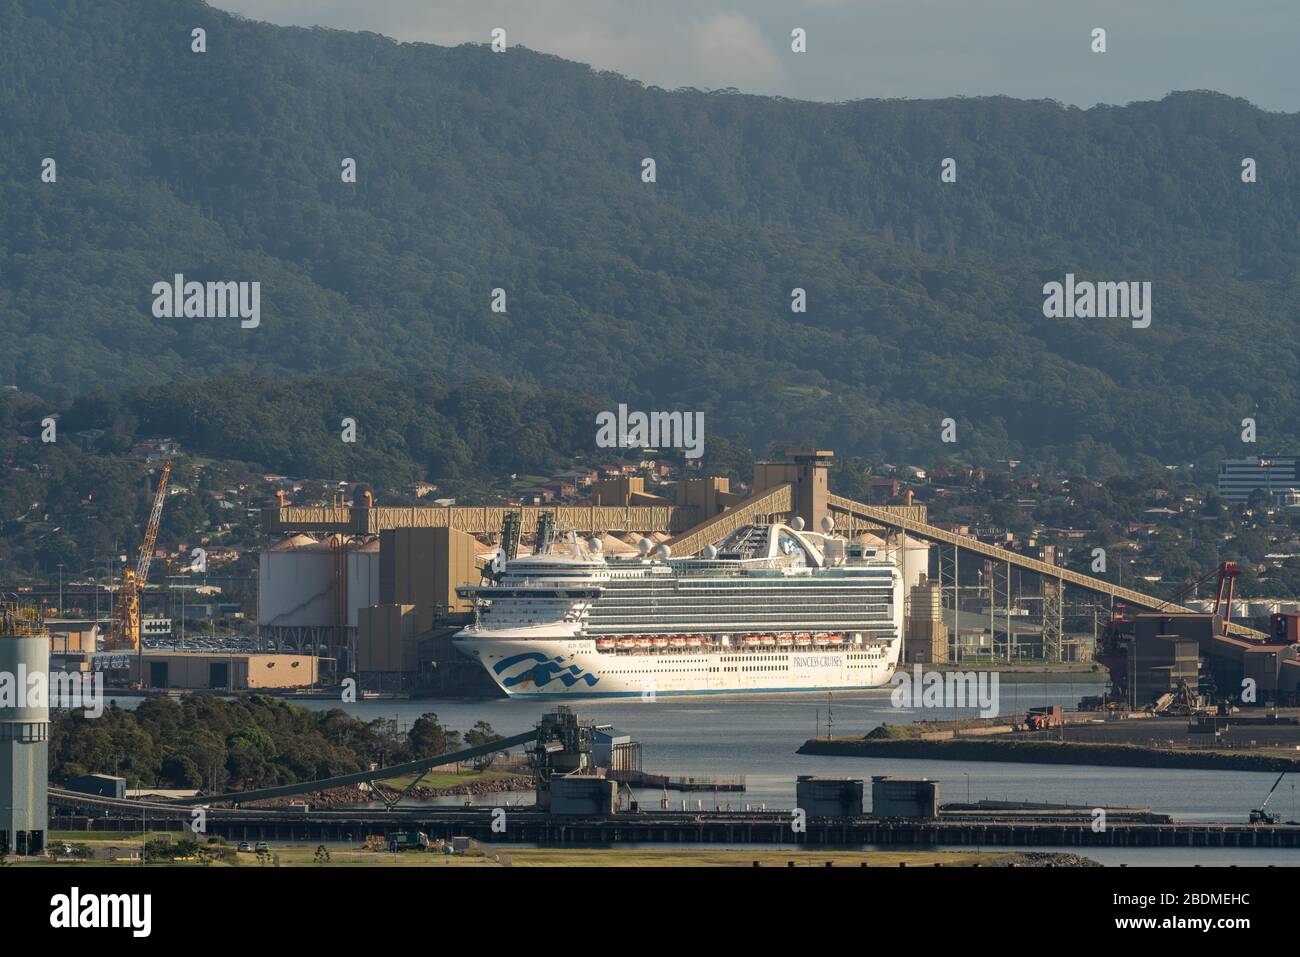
(668, 43)
(868, 48)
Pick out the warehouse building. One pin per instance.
(100, 785)
(236, 671)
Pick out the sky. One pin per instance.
(856, 49)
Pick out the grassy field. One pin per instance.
(451, 779)
(304, 855)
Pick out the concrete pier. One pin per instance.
(81, 812)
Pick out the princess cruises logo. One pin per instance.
(542, 672)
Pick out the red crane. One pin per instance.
(1227, 573)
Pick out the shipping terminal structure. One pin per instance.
(769, 608)
(380, 591)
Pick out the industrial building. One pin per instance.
(407, 632)
(226, 671)
(311, 592)
(374, 586)
(24, 734)
(102, 785)
(1161, 663)
(904, 797)
(1273, 668)
(587, 795)
(1166, 649)
(1274, 474)
(828, 797)
(927, 635)
(615, 750)
(73, 636)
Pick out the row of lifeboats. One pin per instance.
(698, 643)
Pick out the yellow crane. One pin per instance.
(125, 631)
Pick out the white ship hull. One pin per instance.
(535, 667)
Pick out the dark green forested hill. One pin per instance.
(521, 171)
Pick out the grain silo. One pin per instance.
(310, 592)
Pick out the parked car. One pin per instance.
(245, 847)
(263, 846)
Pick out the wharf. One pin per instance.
(70, 812)
(676, 782)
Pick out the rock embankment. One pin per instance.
(489, 786)
(1047, 859)
(362, 794)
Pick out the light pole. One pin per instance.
(61, 615)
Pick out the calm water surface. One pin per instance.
(757, 736)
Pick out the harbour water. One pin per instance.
(757, 736)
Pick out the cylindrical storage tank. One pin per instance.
(21, 657)
(295, 581)
(916, 554)
(363, 578)
(913, 558)
(24, 746)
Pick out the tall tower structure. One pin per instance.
(24, 732)
(812, 486)
(808, 472)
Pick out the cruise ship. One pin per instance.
(770, 608)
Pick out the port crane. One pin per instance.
(1261, 814)
(125, 630)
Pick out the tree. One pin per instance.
(429, 739)
(478, 735)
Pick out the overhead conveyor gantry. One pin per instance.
(890, 519)
(361, 777)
